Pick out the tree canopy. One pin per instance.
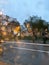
(36, 22)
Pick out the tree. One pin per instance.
(36, 22)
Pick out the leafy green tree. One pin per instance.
(36, 22)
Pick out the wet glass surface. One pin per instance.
(23, 54)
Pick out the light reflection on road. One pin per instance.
(24, 54)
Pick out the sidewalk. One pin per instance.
(3, 63)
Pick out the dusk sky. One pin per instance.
(22, 9)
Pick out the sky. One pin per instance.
(22, 9)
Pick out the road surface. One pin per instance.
(3, 63)
(25, 53)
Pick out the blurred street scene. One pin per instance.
(26, 44)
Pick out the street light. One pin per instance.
(16, 29)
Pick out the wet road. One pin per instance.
(25, 54)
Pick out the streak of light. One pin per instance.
(38, 44)
(33, 50)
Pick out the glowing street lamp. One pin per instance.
(16, 30)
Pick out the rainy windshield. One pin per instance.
(24, 32)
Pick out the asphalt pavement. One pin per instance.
(25, 53)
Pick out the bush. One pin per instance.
(27, 38)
